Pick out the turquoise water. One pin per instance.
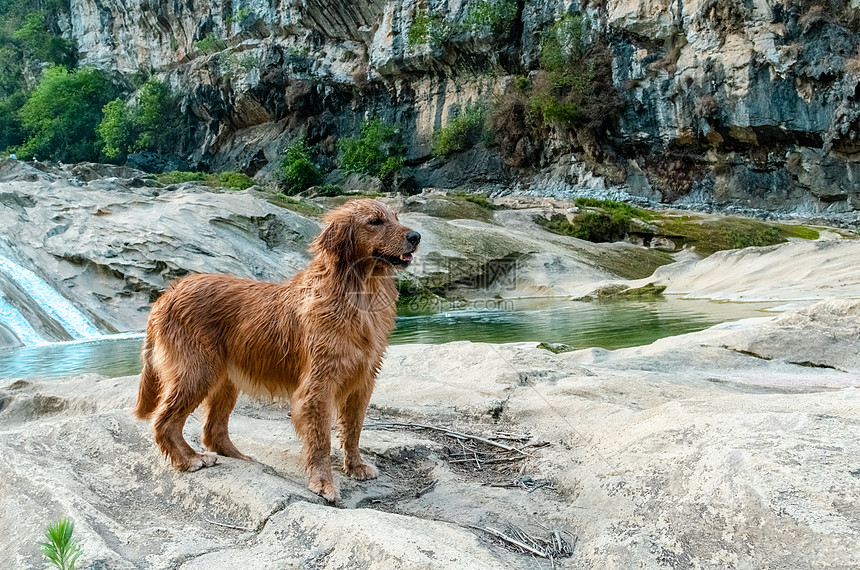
(609, 325)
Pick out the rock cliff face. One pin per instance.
(745, 103)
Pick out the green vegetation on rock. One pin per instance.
(490, 16)
(602, 220)
(427, 29)
(484, 17)
(461, 133)
(29, 39)
(709, 235)
(607, 221)
(798, 231)
(297, 170)
(151, 121)
(227, 179)
(61, 116)
(571, 93)
(210, 44)
(377, 152)
(478, 198)
(299, 206)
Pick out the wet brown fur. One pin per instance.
(317, 339)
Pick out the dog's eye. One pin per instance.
(376, 222)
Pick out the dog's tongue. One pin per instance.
(406, 257)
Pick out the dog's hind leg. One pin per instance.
(351, 410)
(183, 394)
(219, 404)
(312, 413)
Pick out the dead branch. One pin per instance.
(446, 431)
(225, 525)
(515, 542)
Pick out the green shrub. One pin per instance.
(300, 206)
(11, 130)
(61, 116)
(566, 76)
(210, 44)
(751, 236)
(151, 121)
(376, 152)
(227, 179)
(596, 227)
(391, 166)
(490, 16)
(571, 92)
(235, 180)
(604, 221)
(61, 549)
(297, 171)
(329, 190)
(28, 40)
(802, 232)
(41, 44)
(622, 209)
(239, 15)
(461, 133)
(179, 176)
(479, 199)
(428, 29)
(115, 129)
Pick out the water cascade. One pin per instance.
(52, 303)
(15, 322)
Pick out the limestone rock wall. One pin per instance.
(744, 103)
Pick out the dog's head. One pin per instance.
(367, 230)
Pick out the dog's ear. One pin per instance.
(337, 239)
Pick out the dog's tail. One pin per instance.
(149, 393)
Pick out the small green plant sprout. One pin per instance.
(61, 549)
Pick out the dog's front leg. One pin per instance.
(312, 414)
(351, 410)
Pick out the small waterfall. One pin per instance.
(55, 305)
(15, 322)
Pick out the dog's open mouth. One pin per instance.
(402, 260)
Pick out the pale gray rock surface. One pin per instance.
(799, 271)
(687, 453)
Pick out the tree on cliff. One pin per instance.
(61, 115)
(151, 121)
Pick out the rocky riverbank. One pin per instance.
(735, 447)
(110, 239)
(731, 447)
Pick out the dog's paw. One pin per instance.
(362, 471)
(198, 461)
(325, 489)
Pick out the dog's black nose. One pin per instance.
(413, 238)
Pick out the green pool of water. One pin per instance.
(609, 325)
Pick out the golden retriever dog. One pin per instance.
(317, 339)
